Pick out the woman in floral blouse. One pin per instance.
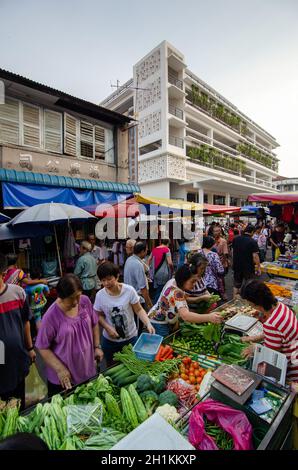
(215, 269)
(172, 304)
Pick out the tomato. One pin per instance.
(188, 381)
(191, 370)
(184, 376)
(192, 379)
(186, 361)
(198, 387)
(199, 380)
(196, 365)
(197, 373)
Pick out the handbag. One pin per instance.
(35, 388)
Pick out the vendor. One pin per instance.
(280, 325)
(172, 304)
(68, 338)
(115, 306)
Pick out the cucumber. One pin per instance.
(127, 380)
(115, 370)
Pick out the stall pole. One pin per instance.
(58, 252)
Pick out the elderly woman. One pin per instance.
(68, 339)
(172, 304)
(280, 325)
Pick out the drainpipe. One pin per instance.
(116, 153)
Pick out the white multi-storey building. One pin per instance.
(193, 143)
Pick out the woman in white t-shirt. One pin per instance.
(116, 305)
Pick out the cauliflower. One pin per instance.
(168, 412)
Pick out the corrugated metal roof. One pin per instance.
(28, 177)
(68, 101)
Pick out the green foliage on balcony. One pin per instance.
(256, 155)
(214, 158)
(216, 110)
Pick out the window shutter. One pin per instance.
(52, 131)
(9, 122)
(86, 139)
(31, 126)
(99, 142)
(70, 135)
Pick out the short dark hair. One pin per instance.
(258, 293)
(3, 263)
(196, 260)
(12, 258)
(232, 225)
(182, 275)
(108, 269)
(165, 241)
(281, 225)
(208, 242)
(139, 247)
(236, 231)
(249, 229)
(68, 285)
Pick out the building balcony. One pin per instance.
(176, 111)
(174, 81)
(176, 141)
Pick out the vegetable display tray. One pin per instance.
(147, 346)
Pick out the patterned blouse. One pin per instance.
(213, 271)
(166, 309)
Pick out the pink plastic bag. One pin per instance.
(234, 422)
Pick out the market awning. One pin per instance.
(218, 209)
(169, 203)
(24, 189)
(275, 198)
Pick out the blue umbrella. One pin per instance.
(51, 213)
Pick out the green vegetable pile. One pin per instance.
(196, 338)
(222, 439)
(203, 307)
(90, 418)
(138, 366)
(230, 352)
(9, 412)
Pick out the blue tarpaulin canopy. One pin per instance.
(25, 189)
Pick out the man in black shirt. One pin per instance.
(15, 338)
(246, 260)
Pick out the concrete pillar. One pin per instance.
(210, 134)
(228, 199)
(254, 175)
(201, 195)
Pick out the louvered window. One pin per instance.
(86, 139)
(31, 126)
(99, 142)
(70, 135)
(52, 131)
(9, 121)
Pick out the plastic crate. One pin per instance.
(147, 346)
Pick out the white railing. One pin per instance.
(176, 141)
(174, 81)
(175, 111)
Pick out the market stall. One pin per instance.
(178, 380)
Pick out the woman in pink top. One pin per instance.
(68, 339)
(161, 265)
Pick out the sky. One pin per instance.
(248, 51)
